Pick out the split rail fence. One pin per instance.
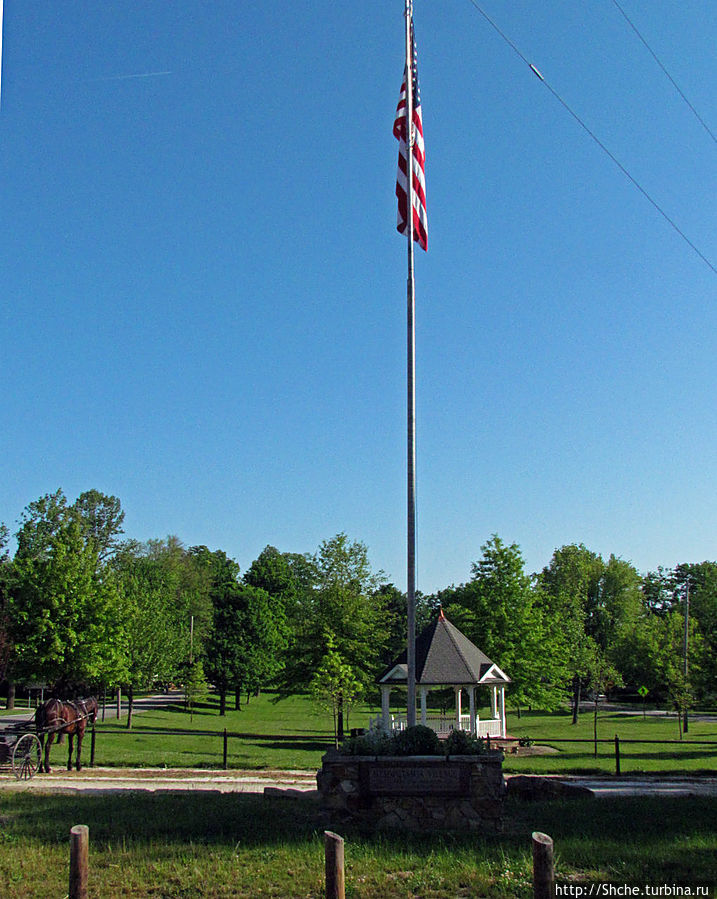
(617, 743)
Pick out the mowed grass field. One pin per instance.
(291, 733)
(181, 845)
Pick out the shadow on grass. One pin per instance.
(301, 745)
(589, 835)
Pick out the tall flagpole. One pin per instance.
(411, 387)
(0, 51)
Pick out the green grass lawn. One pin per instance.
(181, 845)
(578, 758)
(292, 734)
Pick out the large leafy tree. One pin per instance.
(596, 605)
(64, 613)
(701, 581)
(102, 518)
(338, 608)
(500, 612)
(153, 629)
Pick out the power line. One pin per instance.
(594, 137)
(672, 80)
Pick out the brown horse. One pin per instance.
(57, 717)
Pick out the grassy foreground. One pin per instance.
(292, 734)
(228, 845)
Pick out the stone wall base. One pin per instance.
(415, 792)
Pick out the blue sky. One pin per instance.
(202, 294)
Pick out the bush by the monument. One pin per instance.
(418, 740)
(375, 742)
(460, 742)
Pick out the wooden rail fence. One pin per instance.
(617, 742)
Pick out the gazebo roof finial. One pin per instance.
(441, 616)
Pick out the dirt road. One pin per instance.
(111, 780)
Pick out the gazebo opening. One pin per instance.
(446, 658)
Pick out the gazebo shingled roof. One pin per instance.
(445, 657)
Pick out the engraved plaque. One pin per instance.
(413, 780)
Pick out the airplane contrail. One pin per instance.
(138, 75)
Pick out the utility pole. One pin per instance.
(685, 664)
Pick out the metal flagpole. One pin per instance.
(411, 387)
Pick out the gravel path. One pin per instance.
(111, 780)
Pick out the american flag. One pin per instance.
(420, 219)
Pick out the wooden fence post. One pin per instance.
(334, 856)
(92, 748)
(79, 858)
(225, 749)
(543, 875)
(617, 754)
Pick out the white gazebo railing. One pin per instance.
(444, 724)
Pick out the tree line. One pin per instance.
(83, 607)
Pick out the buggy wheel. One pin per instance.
(26, 757)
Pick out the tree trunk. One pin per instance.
(595, 716)
(576, 699)
(130, 705)
(519, 715)
(222, 701)
(237, 699)
(10, 704)
(340, 720)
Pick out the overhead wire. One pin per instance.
(594, 137)
(672, 80)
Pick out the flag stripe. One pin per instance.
(420, 219)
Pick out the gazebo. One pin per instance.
(446, 658)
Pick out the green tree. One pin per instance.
(64, 614)
(248, 636)
(196, 688)
(339, 605)
(40, 522)
(502, 614)
(596, 605)
(335, 686)
(152, 628)
(701, 578)
(602, 676)
(102, 518)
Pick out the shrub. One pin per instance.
(375, 742)
(418, 740)
(460, 742)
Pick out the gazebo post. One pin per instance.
(472, 699)
(458, 707)
(502, 711)
(424, 704)
(385, 707)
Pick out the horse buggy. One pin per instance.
(21, 749)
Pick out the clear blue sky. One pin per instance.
(203, 295)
